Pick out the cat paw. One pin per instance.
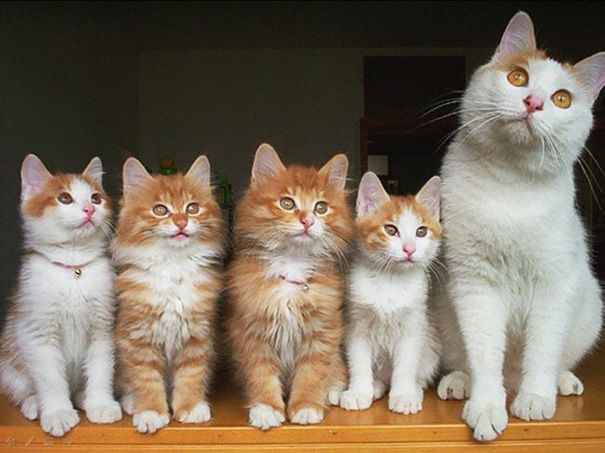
(529, 406)
(353, 400)
(149, 421)
(455, 385)
(127, 403)
(334, 397)
(488, 420)
(199, 414)
(569, 384)
(107, 412)
(263, 416)
(405, 403)
(29, 407)
(307, 416)
(380, 389)
(59, 422)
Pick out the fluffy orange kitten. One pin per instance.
(285, 288)
(168, 248)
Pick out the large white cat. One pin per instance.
(521, 298)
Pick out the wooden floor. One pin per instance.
(579, 425)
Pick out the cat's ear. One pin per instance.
(336, 171)
(518, 37)
(430, 196)
(134, 176)
(591, 71)
(34, 176)
(200, 171)
(370, 194)
(266, 163)
(94, 170)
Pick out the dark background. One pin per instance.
(119, 79)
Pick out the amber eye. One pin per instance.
(518, 77)
(96, 198)
(421, 231)
(287, 203)
(391, 230)
(65, 198)
(160, 210)
(193, 208)
(321, 207)
(562, 99)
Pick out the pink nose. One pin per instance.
(307, 222)
(533, 103)
(181, 223)
(89, 210)
(409, 250)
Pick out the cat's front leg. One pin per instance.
(483, 317)
(545, 329)
(47, 368)
(98, 401)
(360, 393)
(191, 377)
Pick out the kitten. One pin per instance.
(522, 295)
(285, 287)
(390, 340)
(57, 338)
(168, 248)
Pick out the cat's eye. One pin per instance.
(287, 203)
(518, 77)
(562, 99)
(160, 210)
(321, 207)
(96, 198)
(391, 230)
(65, 198)
(193, 208)
(421, 231)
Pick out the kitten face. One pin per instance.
(176, 211)
(524, 99)
(296, 207)
(398, 232)
(63, 207)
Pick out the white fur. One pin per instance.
(521, 294)
(63, 325)
(264, 417)
(389, 337)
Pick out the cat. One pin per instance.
(390, 339)
(57, 340)
(168, 249)
(285, 288)
(521, 298)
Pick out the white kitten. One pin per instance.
(57, 340)
(390, 341)
(521, 296)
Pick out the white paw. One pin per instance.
(406, 403)
(455, 385)
(127, 403)
(307, 416)
(353, 400)
(379, 389)
(334, 397)
(149, 421)
(107, 412)
(29, 407)
(528, 406)
(59, 422)
(569, 384)
(488, 420)
(263, 416)
(199, 414)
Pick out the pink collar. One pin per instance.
(77, 268)
(304, 285)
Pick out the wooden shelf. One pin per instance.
(579, 425)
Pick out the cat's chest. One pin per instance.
(285, 332)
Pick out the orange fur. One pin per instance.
(519, 59)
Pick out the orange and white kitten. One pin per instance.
(390, 339)
(285, 287)
(57, 339)
(168, 249)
